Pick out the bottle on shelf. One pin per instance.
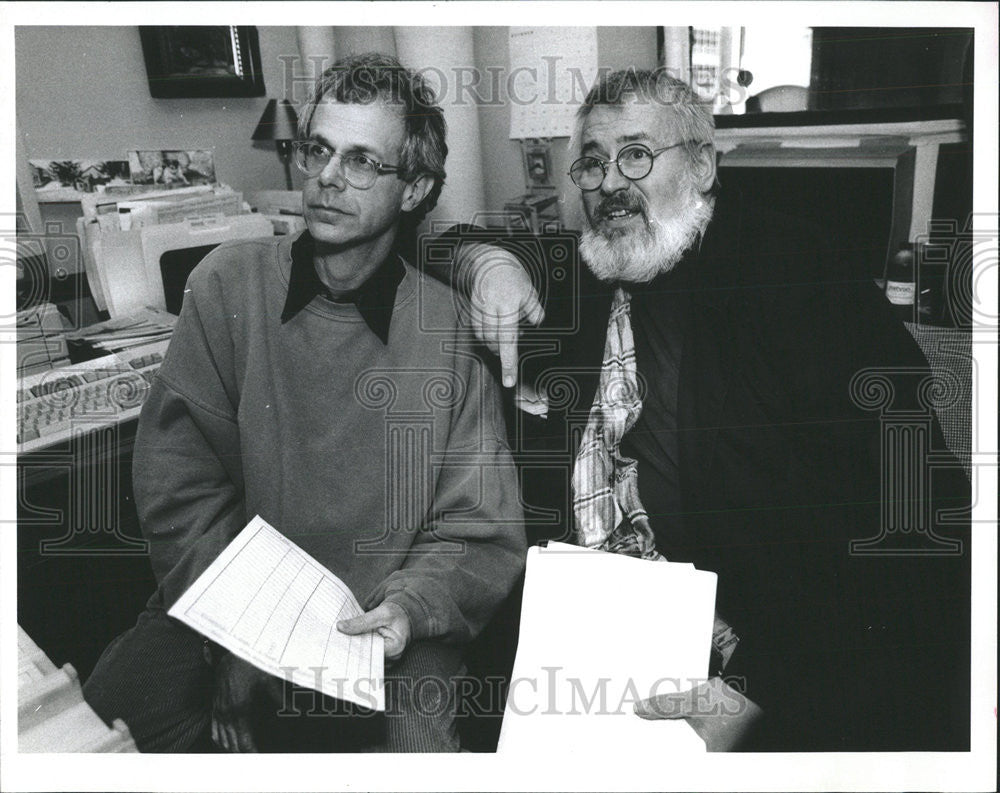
(900, 283)
(932, 266)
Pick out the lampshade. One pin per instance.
(278, 121)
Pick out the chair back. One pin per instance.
(949, 353)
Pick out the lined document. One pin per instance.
(600, 631)
(269, 602)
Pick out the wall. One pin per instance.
(503, 173)
(617, 48)
(82, 92)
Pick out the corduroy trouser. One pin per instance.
(157, 678)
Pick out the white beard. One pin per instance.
(640, 255)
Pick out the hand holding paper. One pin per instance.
(720, 714)
(389, 621)
(267, 601)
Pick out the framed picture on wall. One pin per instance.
(202, 61)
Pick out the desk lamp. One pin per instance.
(279, 123)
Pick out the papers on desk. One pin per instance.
(196, 201)
(269, 602)
(598, 632)
(123, 242)
(141, 327)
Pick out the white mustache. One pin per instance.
(610, 205)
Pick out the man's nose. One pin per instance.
(332, 174)
(613, 180)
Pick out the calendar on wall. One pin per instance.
(551, 71)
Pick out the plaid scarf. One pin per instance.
(609, 514)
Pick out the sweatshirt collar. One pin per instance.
(374, 299)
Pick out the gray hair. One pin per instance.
(692, 114)
(373, 77)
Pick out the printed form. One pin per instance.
(269, 602)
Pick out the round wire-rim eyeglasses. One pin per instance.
(583, 171)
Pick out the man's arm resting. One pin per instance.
(456, 575)
(467, 558)
(499, 292)
(188, 503)
(187, 469)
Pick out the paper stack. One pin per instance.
(123, 211)
(600, 631)
(142, 327)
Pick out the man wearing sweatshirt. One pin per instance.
(302, 385)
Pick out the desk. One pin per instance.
(83, 568)
(52, 716)
(83, 571)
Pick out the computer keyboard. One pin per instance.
(52, 406)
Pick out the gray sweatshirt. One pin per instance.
(385, 462)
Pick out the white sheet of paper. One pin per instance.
(270, 603)
(123, 274)
(551, 64)
(598, 632)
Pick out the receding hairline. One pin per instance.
(392, 151)
(641, 130)
(377, 99)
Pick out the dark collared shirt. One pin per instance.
(375, 298)
(658, 311)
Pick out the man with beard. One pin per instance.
(706, 403)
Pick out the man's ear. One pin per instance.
(416, 191)
(703, 167)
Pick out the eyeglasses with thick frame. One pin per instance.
(358, 170)
(584, 175)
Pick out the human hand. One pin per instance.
(236, 686)
(720, 714)
(388, 620)
(500, 295)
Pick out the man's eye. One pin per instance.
(316, 150)
(357, 161)
(633, 155)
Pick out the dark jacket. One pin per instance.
(781, 468)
